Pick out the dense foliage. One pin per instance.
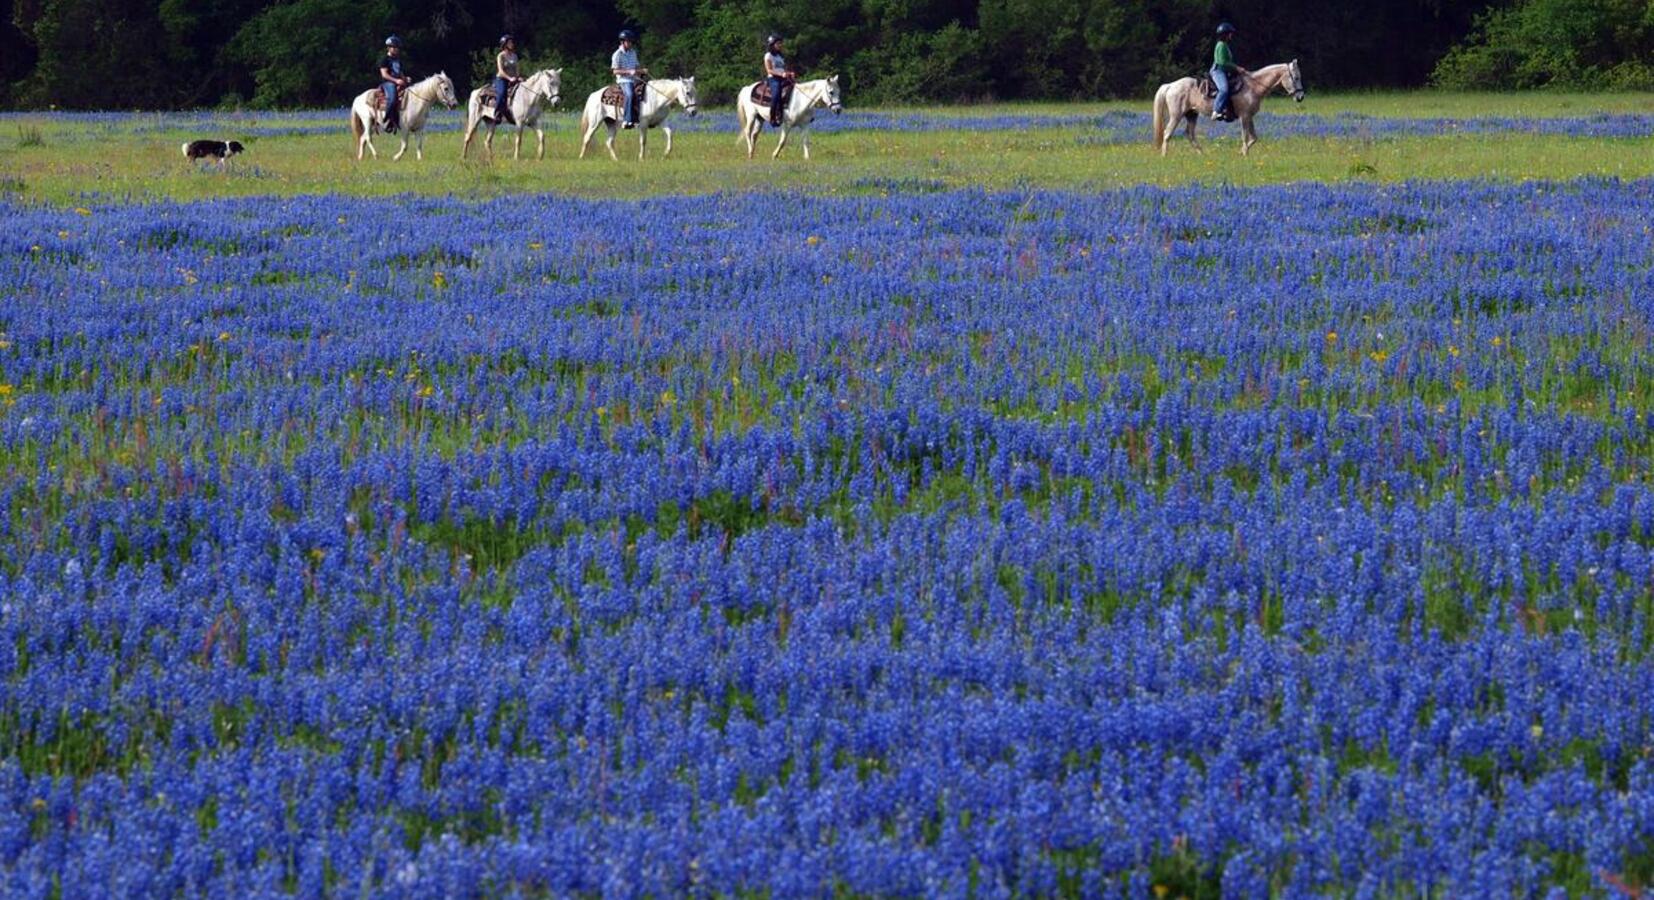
(102, 54)
(1293, 540)
(1579, 44)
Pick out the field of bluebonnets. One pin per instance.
(1167, 541)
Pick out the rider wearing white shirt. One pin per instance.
(626, 69)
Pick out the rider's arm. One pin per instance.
(386, 75)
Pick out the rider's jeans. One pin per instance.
(1221, 79)
(627, 88)
(501, 86)
(776, 86)
(391, 117)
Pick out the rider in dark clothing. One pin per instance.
(392, 80)
(1224, 71)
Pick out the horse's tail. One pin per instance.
(355, 126)
(585, 119)
(1160, 103)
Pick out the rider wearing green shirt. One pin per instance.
(1223, 71)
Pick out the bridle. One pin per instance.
(429, 101)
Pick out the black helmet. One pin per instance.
(506, 39)
(772, 40)
(1226, 28)
(627, 34)
(393, 41)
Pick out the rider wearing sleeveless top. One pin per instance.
(505, 75)
(392, 80)
(776, 75)
(624, 63)
(1224, 71)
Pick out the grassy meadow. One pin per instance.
(69, 159)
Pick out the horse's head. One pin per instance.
(548, 83)
(834, 101)
(445, 90)
(1294, 81)
(690, 101)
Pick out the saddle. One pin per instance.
(510, 93)
(761, 93)
(1209, 88)
(613, 96)
(379, 99)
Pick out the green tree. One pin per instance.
(1580, 44)
(311, 52)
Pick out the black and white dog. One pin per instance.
(219, 150)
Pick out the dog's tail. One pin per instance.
(185, 147)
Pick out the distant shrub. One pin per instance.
(30, 136)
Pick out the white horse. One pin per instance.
(800, 112)
(1183, 101)
(659, 96)
(537, 92)
(422, 95)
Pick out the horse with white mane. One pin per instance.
(660, 95)
(365, 119)
(536, 93)
(800, 112)
(1182, 101)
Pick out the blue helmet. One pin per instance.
(1225, 28)
(627, 34)
(393, 41)
(506, 39)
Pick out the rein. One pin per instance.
(413, 92)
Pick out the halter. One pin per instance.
(428, 100)
(821, 96)
(546, 97)
(687, 106)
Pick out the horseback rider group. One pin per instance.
(624, 63)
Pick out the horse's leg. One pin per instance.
(419, 144)
(668, 151)
(586, 140)
(1248, 136)
(786, 129)
(540, 136)
(517, 148)
(642, 139)
(488, 142)
(804, 141)
(1194, 139)
(610, 142)
(403, 133)
(749, 130)
(470, 130)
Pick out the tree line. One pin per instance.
(164, 54)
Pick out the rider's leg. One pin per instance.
(629, 113)
(392, 119)
(776, 85)
(1220, 107)
(502, 109)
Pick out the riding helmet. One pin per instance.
(772, 40)
(393, 41)
(1225, 28)
(627, 34)
(506, 39)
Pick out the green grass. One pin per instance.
(123, 165)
